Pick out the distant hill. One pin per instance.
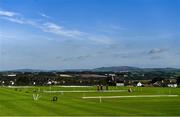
(100, 69)
(130, 69)
(161, 69)
(117, 68)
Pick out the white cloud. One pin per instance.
(54, 28)
(16, 20)
(8, 13)
(15, 17)
(46, 27)
(59, 30)
(44, 15)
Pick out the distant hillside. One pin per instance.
(101, 69)
(117, 68)
(161, 69)
(128, 68)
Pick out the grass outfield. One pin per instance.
(18, 101)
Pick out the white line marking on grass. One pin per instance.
(19, 87)
(86, 91)
(96, 97)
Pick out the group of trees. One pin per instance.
(49, 79)
(43, 78)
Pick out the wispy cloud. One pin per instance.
(157, 50)
(11, 16)
(44, 26)
(59, 30)
(76, 58)
(109, 28)
(44, 15)
(16, 20)
(8, 13)
(54, 28)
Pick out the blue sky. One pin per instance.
(68, 34)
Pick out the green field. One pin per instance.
(18, 101)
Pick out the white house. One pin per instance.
(120, 84)
(172, 85)
(11, 75)
(65, 75)
(49, 83)
(139, 84)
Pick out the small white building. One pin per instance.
(120, 84)
(139, 84)
(172, 85)
(11, 75)
(49, 83)
(65, 75)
